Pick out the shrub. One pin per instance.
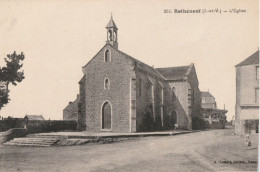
(199, 124)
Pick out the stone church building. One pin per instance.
(119, 93)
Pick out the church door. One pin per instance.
(106, 116)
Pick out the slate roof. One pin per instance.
(206, 94)
(143, 66)
(176, 73)
(34, 117)
(111, 24)
(253, 59)
(72, 105)
(173, 73)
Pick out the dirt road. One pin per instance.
(213, 150)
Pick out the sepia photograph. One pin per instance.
(129, 86)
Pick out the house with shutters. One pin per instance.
(247, 95)
(119, 93)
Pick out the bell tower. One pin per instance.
(112, 33)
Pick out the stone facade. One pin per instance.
(121, 94)
(184, 83)
(247, 95)
(117, 71)
(82, 105)
(71, 111)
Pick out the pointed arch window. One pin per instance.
(106, 84)
(110, 35)
(173, 93)
(107, 56)
(115, 36)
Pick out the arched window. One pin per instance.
(110, 35)
(173, 93)
(106, 84)
(107, 56)
(115, 36)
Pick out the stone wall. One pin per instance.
(195, 93)
(11, 134)
(82, 105)
(150, 102)
(181, 103)
(118, 95)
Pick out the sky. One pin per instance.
(59, 37)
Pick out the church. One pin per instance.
(119, 93)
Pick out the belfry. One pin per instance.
(112, 33)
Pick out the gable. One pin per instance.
(173, 73)
(192, 75)
(253, 59)
(138, 64)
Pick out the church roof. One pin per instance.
(174, 73)
(143, 66)
(206, 94)
(111, 24)
(253, 59)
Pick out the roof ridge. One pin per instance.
(95, 55)
(252, 59)
(189, 69)
(172, 67)
(141, 63)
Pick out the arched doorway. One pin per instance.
(106, 116)
(173, 118)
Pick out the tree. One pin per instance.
(10, 74)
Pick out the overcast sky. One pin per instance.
(58, 38)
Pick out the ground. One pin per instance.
(213, 150)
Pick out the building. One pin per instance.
(247, 95)
(34, 117)
(119, 93)
(208, 100)
(216, 118)
(184, 84)
(71, 110)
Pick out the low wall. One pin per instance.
(11, 134)
(50, 126)
(11, 123)
(37, 126)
